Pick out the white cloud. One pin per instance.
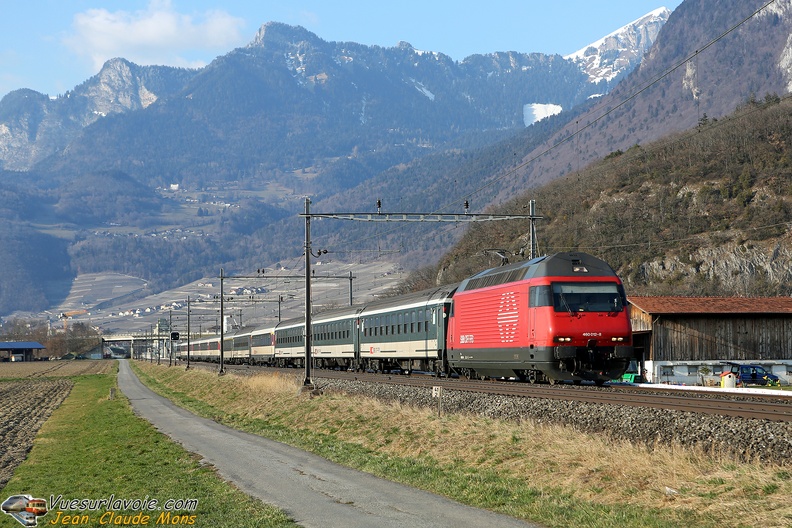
(157, 35)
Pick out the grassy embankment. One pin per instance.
(93, 447)
(548, 474)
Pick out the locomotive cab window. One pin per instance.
(540, 296)
(587, 297)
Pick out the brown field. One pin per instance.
(46, 369)
(25, 406)
(28, 397)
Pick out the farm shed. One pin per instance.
(685, 339)
(18, 350)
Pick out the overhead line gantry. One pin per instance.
(379, 216)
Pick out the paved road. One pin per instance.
(310, 489)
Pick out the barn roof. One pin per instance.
(713, 305)
(20, 345)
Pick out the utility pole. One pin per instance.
(222, 325)
(188, 333)
(170, 337)
(533, 245)
(308, 330)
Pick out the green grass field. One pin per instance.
(93, 447)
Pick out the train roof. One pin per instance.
(426, 297)
(557, 265)
(429, 296)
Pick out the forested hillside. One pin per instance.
(706, 212)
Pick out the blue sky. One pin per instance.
(53, 45)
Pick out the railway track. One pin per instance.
(756, 406)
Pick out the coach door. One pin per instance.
(357, 332)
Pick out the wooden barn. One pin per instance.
(690, 339)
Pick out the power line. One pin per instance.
(608, 112)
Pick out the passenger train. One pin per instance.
(562, 317)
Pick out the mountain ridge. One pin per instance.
(288, 112)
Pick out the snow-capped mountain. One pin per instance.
(606, 61)
(289, 111)
(616, 54)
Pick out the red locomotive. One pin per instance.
(561, 317)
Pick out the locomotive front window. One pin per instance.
(587, 297)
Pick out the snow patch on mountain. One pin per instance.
(536, 112)
(423, 89)
(620, 51)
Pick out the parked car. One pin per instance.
(755, 375)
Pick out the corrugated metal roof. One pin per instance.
(20, 345)
(713, 305)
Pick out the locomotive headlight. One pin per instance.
(563, 339)
(617, 339)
